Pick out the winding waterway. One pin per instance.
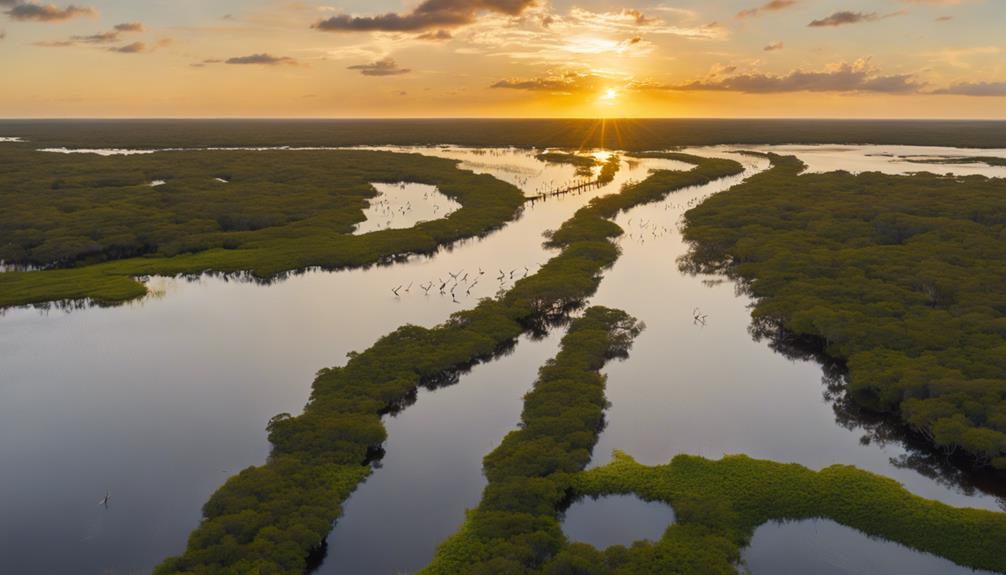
(158, 402)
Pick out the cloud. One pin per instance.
(563, 83)
(845, 77)
(102, 38)
(109, 37)
(846, 17)
(134, 48)
(981, 89)
(259, 59)
(130, 27)
(773, 6)
(385, 67)
(46, 12)
(774, 46)
(438, 35)
(428, 15)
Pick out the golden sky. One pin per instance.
(527, 58)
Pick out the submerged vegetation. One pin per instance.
(102, 223)
(899, 276)
(268, 519)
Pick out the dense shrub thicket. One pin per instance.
(268, 519)
(101, 222)
(515, 527)
(900, 276)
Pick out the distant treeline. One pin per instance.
(902, 277)
(269, 518)
(617, 134)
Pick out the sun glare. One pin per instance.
(609, 95)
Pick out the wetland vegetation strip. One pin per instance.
(609, 168)
(719, 504)
(103, 225)
(899, 277)
(516, 525)
(270, 518)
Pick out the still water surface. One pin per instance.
(616, 520)
(158, 402)
(824, 547)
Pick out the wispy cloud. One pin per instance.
(385, 67)
(846, 17)
(845, 77)
(773, 6)
(980, 89)
(262, 59)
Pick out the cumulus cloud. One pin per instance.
(774, 46)
(430, 14)
(845, 77)
(261, 59)
(982, 89)
(385, 67)
(46, 12)
(773, 6)
(846, 17)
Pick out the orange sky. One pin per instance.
(391, 58)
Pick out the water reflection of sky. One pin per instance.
(159, 401)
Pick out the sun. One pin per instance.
(609, 95)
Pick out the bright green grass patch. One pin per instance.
(103, 224)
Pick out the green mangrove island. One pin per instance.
(102, 223)
(898, 277)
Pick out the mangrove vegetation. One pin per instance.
(97, 223)
(899, 277)
(269, 519)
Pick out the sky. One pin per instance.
(503, 58)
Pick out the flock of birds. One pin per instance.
(383, 211)
(461, 282)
